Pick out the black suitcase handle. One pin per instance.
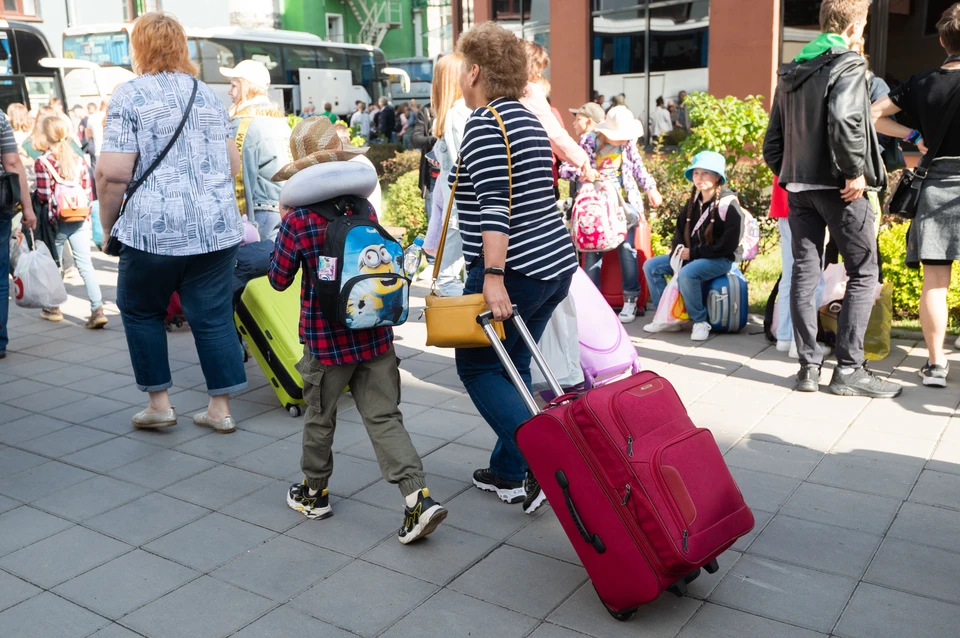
(592, 539)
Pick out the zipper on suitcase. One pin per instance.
(626, 494)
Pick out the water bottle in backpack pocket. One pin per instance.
(360, 280)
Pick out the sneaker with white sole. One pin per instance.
(315, 506)
(656, 326)
(421, 519)
(934, 376)
(508, 491)
(629, 312)
(701, 331)
(535, 496)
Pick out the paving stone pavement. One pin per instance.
(110, 532)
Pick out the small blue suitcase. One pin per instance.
(727, 302)
(95, 224)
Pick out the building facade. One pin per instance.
(402, 28)
(727, 47)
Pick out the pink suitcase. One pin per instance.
(643, 494)
(606, 352)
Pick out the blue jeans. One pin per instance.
(268, 224)
(693, 277)
(629, 270)
(205, 282)
(483, 375)
(5, 229)
(80, 234)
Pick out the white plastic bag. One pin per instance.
(560, 345)
(671, 309)
(36, 281)
(17, 243)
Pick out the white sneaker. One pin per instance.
(629, 312)
(793, 350)
(701, 331)
(784, 346)
(656, 326)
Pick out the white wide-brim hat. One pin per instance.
(250, 70)
(620, 125)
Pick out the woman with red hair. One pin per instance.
(169, 158)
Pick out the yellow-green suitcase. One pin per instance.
(269, 321)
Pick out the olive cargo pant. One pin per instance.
(375, 385)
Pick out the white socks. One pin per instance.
(411, 499)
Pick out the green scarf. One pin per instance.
(823, 43)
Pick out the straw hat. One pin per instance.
(620, 125)
(313, 141)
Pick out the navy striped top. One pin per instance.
(539, 245)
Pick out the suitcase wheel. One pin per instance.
(692, 576)
(712, 567)
(294, 410)
(623, 615)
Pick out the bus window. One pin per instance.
(40, 90)
(11, 90)
(105, 49)
(194, 50)
(678, 50)
(332, 58)
(30, 50)
(269, 55)
(213, 56)
(296, 58)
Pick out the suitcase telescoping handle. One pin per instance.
(484, 320)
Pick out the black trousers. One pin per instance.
(851, 225)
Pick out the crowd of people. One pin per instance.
(179, 177)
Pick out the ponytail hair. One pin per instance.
(57, 136)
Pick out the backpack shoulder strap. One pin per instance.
(50, 169)
(724, 205)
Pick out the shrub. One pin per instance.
(399, 165)
(293, 120)
(908, 282)
(379, 153)
(404, 206)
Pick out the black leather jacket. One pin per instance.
(812, 139)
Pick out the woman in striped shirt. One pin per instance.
(514, 243)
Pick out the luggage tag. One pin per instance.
(327, 268)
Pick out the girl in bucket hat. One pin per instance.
(612, 151)
(708, 228)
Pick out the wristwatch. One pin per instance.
(494, 271)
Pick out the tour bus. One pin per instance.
(22, 78)
(420, 71)
(284, 53)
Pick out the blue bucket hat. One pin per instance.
(708, 160)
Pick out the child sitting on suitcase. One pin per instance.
(335, 355)
(709, 229)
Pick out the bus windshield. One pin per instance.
(421, 71)
(105, 49)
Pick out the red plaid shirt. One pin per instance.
(45, 181)
(300, 241)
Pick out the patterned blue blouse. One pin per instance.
(187, 206)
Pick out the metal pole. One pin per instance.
(646, 72)
(71, 13)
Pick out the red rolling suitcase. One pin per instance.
(611, 281)
(643, 494)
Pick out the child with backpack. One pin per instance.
(612, 150)
(64, 184)
(710, 229)
(353, 290)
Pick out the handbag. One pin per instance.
(906, 194)
(112, 246)
(452, 321)
(9, 195)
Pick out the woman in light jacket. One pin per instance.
(451, 118)
(263, 139)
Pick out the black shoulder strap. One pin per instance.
(173, 140)
(942, 130)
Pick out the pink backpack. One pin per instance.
(598, 224)
(73, 202)
(749, 230)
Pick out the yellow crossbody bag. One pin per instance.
(452, 321)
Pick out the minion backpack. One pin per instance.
(359, 280)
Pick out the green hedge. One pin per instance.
(404, 206)
(907, 282)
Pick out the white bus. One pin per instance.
(420, 71)
(283, 52)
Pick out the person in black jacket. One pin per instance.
(387, 122)
(423, 140)
(822, 145)
(709, 229)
